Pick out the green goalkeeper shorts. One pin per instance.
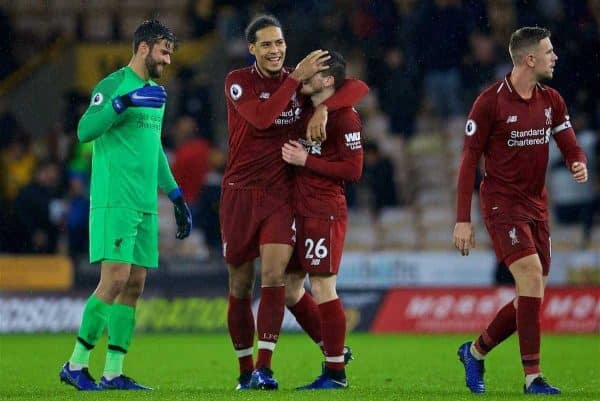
(124, 235)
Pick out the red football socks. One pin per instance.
(502, 327)
(241, 330)
(270, 318)
(528, 326)
(333, 329)
(306, 312)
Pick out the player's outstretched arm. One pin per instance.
(261, 114)
(350, 93)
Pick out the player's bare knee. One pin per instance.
(323, 288)
(272, 277)
(533, 282)
(110, 289)
(134, 290)
(241, 280)
(240, 292)
(241, 287)
(294, 288)
(529, 281)
(293, 294)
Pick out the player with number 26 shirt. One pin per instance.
(319, 198)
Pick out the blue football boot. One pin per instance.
(80, 379)
(540, 386)
(474, 369)
(244, 382)
(324, 382)
(262, 379)
(122, 383)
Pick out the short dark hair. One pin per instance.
(152, 31)
(337, 68)
(258, 23)
(524, 38)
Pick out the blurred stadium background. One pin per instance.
(425, 62)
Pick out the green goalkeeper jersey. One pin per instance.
(128, 161)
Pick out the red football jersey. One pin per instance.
(261, 112)
(319, 189)
(513, 135)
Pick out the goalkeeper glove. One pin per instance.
(183, 216)
(147, 96)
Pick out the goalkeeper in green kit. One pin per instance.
(124, 120)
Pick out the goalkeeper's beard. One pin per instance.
(152, 67)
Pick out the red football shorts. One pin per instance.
(516, 237)
(319, 245)
(250, 218)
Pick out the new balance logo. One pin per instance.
(264, 95)
(315, 262)
(511, 119)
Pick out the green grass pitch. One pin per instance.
(387, 367)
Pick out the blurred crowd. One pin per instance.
(425, 62)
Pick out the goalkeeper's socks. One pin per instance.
(80, 358)
(306, 312)
(76, 366)
(114, 364)
(120, 331)
(95, 316)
